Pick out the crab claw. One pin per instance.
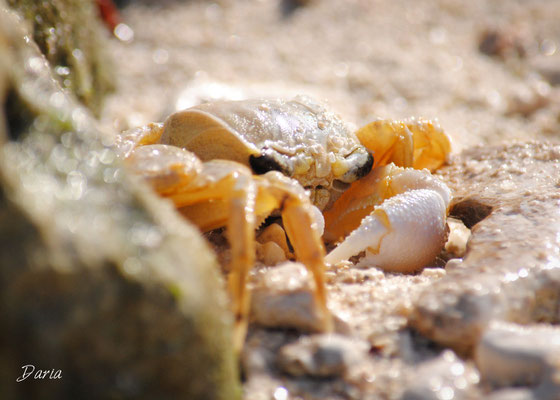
(405, 231)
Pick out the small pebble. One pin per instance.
(283, 296)
(445, 377)
(512, 355)
(458, 237)
(276, 234)
(270, 253)
(512, 394)
(324, 355)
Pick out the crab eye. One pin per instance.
(364, 169)
(362, 161)
(264, 163)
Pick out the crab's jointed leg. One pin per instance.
(416, 143)
(241, 236)
(237, 192)
(130, 140)
(304, 234)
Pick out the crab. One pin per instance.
(234, 163)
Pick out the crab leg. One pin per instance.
(389, 141)
(301, 227)
(241, 236)
(402, 233)
(127, 143)
(431, 144)
(238, 192)
(411, 143)
(309, 250)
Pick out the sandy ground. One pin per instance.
(367, 59)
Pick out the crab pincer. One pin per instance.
(395, 216)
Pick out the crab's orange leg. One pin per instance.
(278, 191)
(431, 145)
(241, 236)
(230, 202)
(207, 207)
(389, 141)
(179, 175)
(149, 134)
(412, 143)
(309, 249)
(223, 195)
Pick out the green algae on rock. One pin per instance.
(98, 278)
(71, 36)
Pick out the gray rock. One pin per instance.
(512, 394)
(445, 377)
(513, 355)
(325, 355)
(550, 388)
(546, 391)
(510, 196)
(98, 278)
(548, 67)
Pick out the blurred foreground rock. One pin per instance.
(98, 278)
(71, 36)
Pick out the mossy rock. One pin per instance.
(99, 278)
(72, 38)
